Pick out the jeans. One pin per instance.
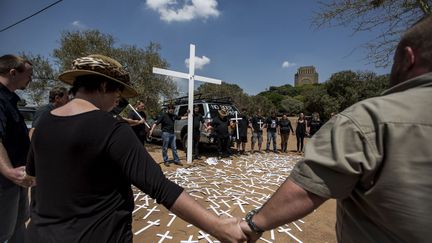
(14, 211)
(271, 136)
(169, 139)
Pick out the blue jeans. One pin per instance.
(271, 136)
(169, 139)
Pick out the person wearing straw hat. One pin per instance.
(84, 178)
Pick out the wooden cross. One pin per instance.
(236, 119)
(189, 240)
(151, 211)
(191, 77)
(150, 224)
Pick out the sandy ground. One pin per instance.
(230, 179)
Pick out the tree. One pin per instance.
(291, 106)
(43, 79)
(240, 98)
(137, 61)
(390, 17)
(344, 86)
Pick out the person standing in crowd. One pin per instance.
(220, 125)
(272, 125)
(84, 179)
(315, 123)
(167, 120)
(15, 74)
(198, 120)
(301, 132)
(58, 96)
(374, 158)
(243, 125)
(138, 124)
(257, 124)
(284, 130)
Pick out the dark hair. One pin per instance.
(170, 106)
(57, 91)
(93, 83)
(8, 62)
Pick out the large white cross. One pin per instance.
(191, 77)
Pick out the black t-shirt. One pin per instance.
(314, 125)
(257, 123)
(197, 120)
(41, 112)
(220, 126)
(13, 132)
(140, 129)
(272, 123)
(243, 125)
(285, 126)
(84, 167)
(167, 121)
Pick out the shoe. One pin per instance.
(166, 163)
(177, 163)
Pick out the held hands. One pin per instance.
(251, 236)
(229, 230)
(19, 176)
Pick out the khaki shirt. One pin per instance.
(376, 159)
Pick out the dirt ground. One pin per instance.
(319, 226)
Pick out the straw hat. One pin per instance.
(99, 65)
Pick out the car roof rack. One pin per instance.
(198, 98)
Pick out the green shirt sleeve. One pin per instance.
(338, 158)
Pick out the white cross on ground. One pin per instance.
(139, 207)
(282, 230)
(172, 219)
(150, 224)
(150, 211)
(164, 236)
(189, 240)
(191, 77)
(204, 235)
(236, 119)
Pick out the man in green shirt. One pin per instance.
(375, 158)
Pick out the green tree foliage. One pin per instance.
(389, 17)
(137, 61)
(233, 91)
(43, 79)
(291, 106)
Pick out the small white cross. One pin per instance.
(189, 240)
(139, 207)
(282, 230)
(164, 236)
(150, 211)
(204, 235)
(150, 224)
(172, 219)
(260, 124)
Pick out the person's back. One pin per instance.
(390, 198)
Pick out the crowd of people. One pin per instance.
(81, 161)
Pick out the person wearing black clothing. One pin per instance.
(271, 124)
(196, 133)
(15, 73)
(315, 124)
(243, 125)
(139, 127)
(84, 179)
(284, 130)
(257, 125)
(167, 120)
(220, 127)
(300, 132)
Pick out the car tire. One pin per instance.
(184, 142)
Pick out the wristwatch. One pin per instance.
(251, 224)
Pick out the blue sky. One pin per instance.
(255, 43)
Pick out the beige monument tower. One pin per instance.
(306, 75)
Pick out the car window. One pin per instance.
(230, 109)
(182, 110)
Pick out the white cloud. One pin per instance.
(77, 24)
(172, 10)
(287, 64)
(200, 62)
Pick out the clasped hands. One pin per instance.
(19, 176)
(234, 230)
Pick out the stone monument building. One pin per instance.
(306, 75)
